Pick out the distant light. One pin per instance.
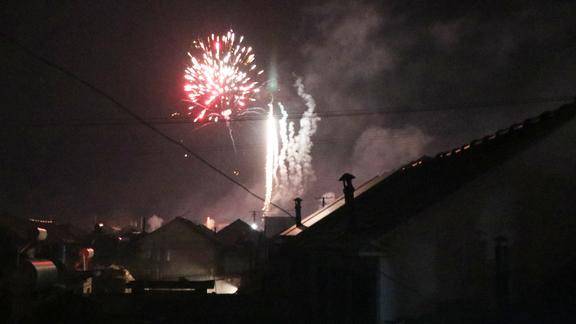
(223, 287)
(186, 155)
(87, 252)
(42, 234)
(42, 221)
(210, 223)
(100, 224)
(254, 226)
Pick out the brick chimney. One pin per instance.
(298, 211)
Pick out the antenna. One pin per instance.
(322, 199)
(254, 224)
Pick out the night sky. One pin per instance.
(69, 154)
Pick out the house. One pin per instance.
(40, 255)
(274, 225)
(180, 249)
(237, 232)
(480, 233)
(61, 244)
(242, 252)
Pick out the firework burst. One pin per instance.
(221, 78)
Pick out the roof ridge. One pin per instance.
(558, 115)
(187, 222)
(497, 135)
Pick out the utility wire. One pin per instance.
(128, 111)
(322, 114)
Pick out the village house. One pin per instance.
(184, 251)
(239, 248)
(178, 250)
(241, 253)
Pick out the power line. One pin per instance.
(249, 147)
(162, 120)
(133, 115)
(398, 110)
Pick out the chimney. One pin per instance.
(143, 224)
(348, 190)
(346, 179)
(298, 210)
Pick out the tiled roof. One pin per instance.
(330, 208)
(384, 201)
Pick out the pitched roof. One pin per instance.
(180, 221)
(384, 201)
(235, 232)
(57, 233)
(64, 233)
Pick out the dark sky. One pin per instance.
(353, 56)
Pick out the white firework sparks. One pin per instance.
(289, 152)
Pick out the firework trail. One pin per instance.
(231, 136)
(271, 155)
(290, 169)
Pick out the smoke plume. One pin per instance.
(154, 223)
(294, 172)
(380, 150)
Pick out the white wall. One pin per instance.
(447, 252)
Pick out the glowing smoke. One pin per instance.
(154, 223)
(295, 159)
(289, 169)
(380, 150)
(210, 223)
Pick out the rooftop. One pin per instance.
(419, 183)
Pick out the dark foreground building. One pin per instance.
(482, 233)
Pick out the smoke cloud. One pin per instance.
(350, 52)
(295, 171)
(154, 223)
(386, 56)
(381, 151)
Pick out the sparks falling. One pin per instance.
(271, 155)
(221, 79)
(289, 151)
